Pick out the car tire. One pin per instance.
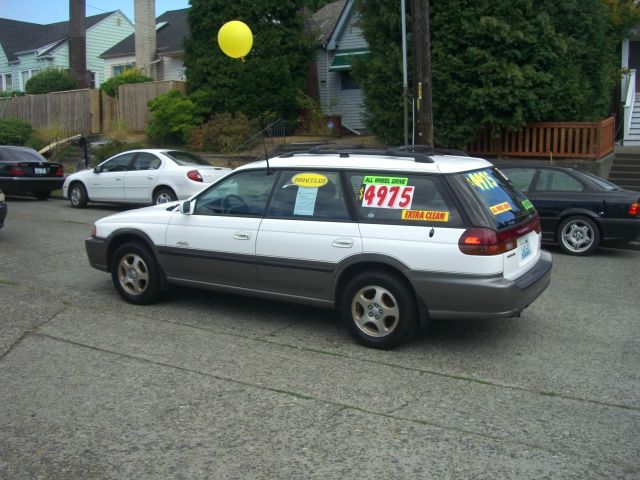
(164, 195)
(578, 235)
(78, 195)
(42, 195)
(378, 309)
(135, 274)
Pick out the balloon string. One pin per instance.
(242, 58)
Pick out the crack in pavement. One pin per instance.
(341, 406)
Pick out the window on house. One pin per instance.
(94, 80)
(118, 69)
(347, 82)
(25, 76)
(8, 83)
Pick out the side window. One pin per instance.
(145, 161)
(557, 181)
(309, 194)
(520, 177)
(402, 198)
(244, 194)
(118, 164)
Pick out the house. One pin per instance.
(630, 62)
(340, 41)
(171, 29)
(30, 47)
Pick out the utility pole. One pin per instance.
(78, 43)
(422, 72)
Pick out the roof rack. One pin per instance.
(347, 151)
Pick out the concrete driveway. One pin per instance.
(205, 385)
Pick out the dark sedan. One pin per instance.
(23, 171)
(578, 210)
(3, 209)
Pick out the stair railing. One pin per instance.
(630, 99)
(257, 146)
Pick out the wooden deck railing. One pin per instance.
(582, 140)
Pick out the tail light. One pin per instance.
(194, 175)
(485, 241)
(59, 171)
(15, 171)
(634, 210)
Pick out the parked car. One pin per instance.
(23, 171)
(388, 238)
(3, 209)
(578, 210)
(147, 176)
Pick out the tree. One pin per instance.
(131, 75)
(270, 78)
(498, 64)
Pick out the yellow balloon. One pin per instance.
(235, 39)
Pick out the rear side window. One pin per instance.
(309, 194)
(502, 202)
(402, 198)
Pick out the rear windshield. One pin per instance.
(601, 182)
(185, 159)
(503, 204)
(20, 155)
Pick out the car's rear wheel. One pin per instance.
(578, 235)
(379, 309)
(42, 195)
(164, 195)
(78, 195)
(135, 274)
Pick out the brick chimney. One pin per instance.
(145, 35)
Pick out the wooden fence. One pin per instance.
(88, 111)
(577, 140)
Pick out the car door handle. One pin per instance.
(343, 242)
(151, 177)
(242, 236)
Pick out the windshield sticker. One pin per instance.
(482, 181)
(382, 196)
(370, 179)
(425, 215)
(527, 204)
(309, 180)
(305, 201)
(500, 208)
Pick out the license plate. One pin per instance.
(524, 247)
(40, 171)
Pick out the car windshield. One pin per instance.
(502, 202)
(601, 182)
(185, 159)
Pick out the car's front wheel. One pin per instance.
(164, 195)
(578, 235)
(135, 274)
(78, 195)
(379, 309)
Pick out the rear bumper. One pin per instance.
(20, 185)
(467, 297)
(620, 230)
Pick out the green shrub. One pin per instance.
(112, 148)
(50, 80)
(223, 133)
(110, 87)
(14, 131)
(173, 117)
(13, 93)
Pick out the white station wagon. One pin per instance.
(389, 238)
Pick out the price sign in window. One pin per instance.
(384, 196)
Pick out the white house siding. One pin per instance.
(171, 68)
(102, 37)
(334, 100)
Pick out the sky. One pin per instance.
(51, 11)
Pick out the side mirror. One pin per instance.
(97, 169)
(185, 207)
